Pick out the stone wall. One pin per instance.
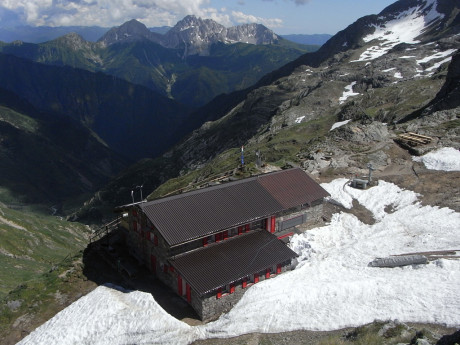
(210, 307)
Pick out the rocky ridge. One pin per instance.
(192, 34)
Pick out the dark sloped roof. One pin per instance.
(187, 216)
(212, 267)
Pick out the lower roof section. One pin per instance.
(209, 268)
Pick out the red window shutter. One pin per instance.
(278, 269)
(179, 285)
(205, 241)
(218, 237)
(256, 278)
(273, 224)
(247, 227)
(232, 288)
(219, 293)
(245, 283)
(240, 230)
(189, 293)
(171, 269)
(225, 235)
(267, 273)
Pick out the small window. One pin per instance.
(232, 288)
(219, 293)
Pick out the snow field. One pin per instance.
(446, 158)
(405, 28)
(332, 286)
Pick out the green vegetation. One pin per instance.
(18, 120)
(41, 298)
(227, 68)
(31, 244)
(279, 149)
(395, 101)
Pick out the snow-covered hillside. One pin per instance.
(332, 286)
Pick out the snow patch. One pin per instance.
(339, 124)
(348, 93)
(438, 55)
(446, 159)
(299, 119)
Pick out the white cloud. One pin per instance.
(240, 18)
(109, 13)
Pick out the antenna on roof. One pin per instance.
(140, 187)
(258, 160)
(132, 195)
(242, 156)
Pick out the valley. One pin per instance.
(74, 144)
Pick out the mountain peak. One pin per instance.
(130, 31)
(73, 40)
(193, 34)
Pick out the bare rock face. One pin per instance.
(192, 34)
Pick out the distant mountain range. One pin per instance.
(192, 63)
(40, 34)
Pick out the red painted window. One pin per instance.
(278, 269)
(273, 224)
(232, 288)
(246, 228)
(245, 283)
(225, 235)
(219, 293)
(267, 273)
(179, 285)
(256, 278)
(171, 269)
(189, 293)
(205, 241)
(240, 230)
(218, 237)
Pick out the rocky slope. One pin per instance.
(192, 35)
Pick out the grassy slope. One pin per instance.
(31, 244)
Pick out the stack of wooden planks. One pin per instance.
(414, 139)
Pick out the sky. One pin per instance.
(281, 16)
